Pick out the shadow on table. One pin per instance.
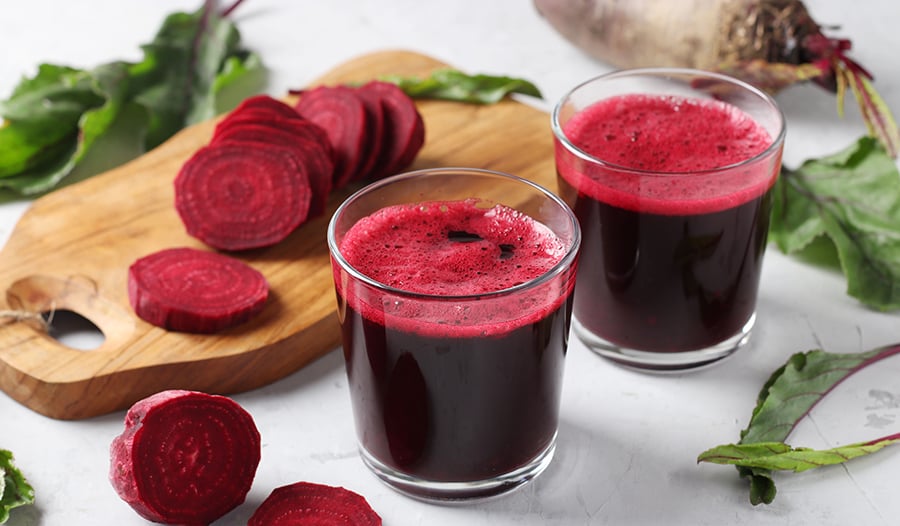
(583, 478)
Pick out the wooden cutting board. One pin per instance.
(72, 248)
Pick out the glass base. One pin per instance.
(453, 492)
(664, 361)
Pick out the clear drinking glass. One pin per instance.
(455, 394)
(669, 172)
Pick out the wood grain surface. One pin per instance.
(72, 248)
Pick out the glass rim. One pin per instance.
(666, 72)
(566, 262)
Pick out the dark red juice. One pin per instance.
(672, 244)
(459, 390)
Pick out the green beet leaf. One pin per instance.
(14, 489)
(853, 198)
(109, 84)
(27, 145)
(787, 397)
(57, 93)
(775, 456)
(42, 117)
(55, 118)
(176, 81)
(449, 84)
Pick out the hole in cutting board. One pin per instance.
(73, 330)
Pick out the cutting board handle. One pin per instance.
(46, 294)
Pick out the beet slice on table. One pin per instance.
(185, 457)
(342, 114)
(306, 503)
(189, 290)
(234, 197)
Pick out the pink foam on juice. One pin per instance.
(454, 248)
(693, 148)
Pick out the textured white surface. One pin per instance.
(628, 441)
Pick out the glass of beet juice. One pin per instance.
(454, 290)
(670, 173)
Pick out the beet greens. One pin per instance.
(15, 491)
(851, 202)
(787, 397)
(53, 119)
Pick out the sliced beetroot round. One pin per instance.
(374, 134)
(234, 197)
(185, 457)
(267, 104)
(404, 129)
(342, 114)
(189, 290)
(305, 503)
(312, 156)
(299, 126)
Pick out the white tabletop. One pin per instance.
(628, 441)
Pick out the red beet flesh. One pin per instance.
(185, 457)
(375, 128)
(267, 104)
(305, 503)
(311, 156)
(189, 290)
(270, 166)
(404, 130)
(342, 114)
(236, 198)
(299, 126)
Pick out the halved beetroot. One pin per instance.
(310, 155)
(342, 114)
(234, 197)
(404, 129)
(265, 103)
(185, 457)
(189, 290)
(305, 503)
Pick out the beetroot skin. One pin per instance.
(185, 457)
(308, 504)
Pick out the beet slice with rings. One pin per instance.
(306, 503)
(234, 197)
(299, 126)
(189, 290)
(404, 128)
(310, 154)
(185, 457)
(374, 133)
(342, 114)
(267, 104)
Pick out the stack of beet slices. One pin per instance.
(264, 173)
(269, 168)
(375, 129)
